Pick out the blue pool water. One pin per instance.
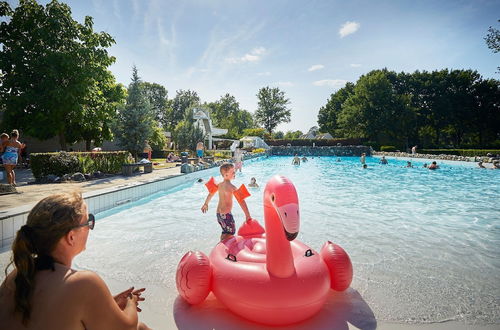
(425, 245)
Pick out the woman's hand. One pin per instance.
(129, 295)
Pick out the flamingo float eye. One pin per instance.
(272, 198)
(285, 214)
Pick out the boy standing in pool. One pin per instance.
(226, 191)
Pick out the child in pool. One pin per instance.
(253, 183)
(226, 190)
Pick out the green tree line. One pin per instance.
(431, 109)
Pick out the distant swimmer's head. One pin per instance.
(200, 180)
(365, 166)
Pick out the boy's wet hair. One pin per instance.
(225, 167)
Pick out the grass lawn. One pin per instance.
(161, 163)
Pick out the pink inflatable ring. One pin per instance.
(267, 276)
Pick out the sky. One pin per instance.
(309, 49)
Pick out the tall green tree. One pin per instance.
(293, 134)
(92, 125)
(187, 134)
(327, 116)
(226, 113)
(177, 110)
(157, 96)
(272, 108)
(375, 111)
(493, 40)
(50, 65)
(134, 123)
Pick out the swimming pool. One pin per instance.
(424, 244)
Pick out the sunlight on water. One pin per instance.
(424, 244)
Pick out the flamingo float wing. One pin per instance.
(339, 265)
(193, 278)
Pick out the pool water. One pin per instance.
(425, 245)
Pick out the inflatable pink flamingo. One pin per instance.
(267, 277)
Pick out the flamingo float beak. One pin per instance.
(289, 216)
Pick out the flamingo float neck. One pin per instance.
(282, 224)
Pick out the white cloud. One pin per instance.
(348, 28)
(254, 56)
(267, 73)
(335, 83)
(316, 67)
(354, 65)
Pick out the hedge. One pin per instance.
(60, 163)
(460, 152)
(317, 142)
(387, 148)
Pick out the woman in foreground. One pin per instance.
(43, 292)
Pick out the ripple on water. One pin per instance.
(424, 244)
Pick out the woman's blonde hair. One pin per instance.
(50, 219)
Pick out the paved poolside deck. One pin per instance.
(32, 193)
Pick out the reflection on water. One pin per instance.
(424, 244)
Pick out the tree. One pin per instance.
(293, 135)
(493, 40)
(375, 111)
(278, 135)
(157, 140)
(186, 133)
(272, 108)
(99, 110)
(182, 101)
(157, 96)
(134, 123)
(327, 116)
(226, 113)
(260, 132)
(51, 69)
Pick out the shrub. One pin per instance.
(64, 163)
(61, 163)
(388, 148)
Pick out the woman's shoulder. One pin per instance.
(84, 280)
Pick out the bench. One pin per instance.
(208, 159)
(128, 169)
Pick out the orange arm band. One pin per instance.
(241, 193)
(212, 186)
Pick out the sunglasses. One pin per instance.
(90, 222)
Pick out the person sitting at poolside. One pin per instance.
(44, 292)
(496, 165)
(253, 183)
(172, 158)
(408, 164)
(433, 166)
(480, 165)
(296, 160)
(383, 161)
(304, 159)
